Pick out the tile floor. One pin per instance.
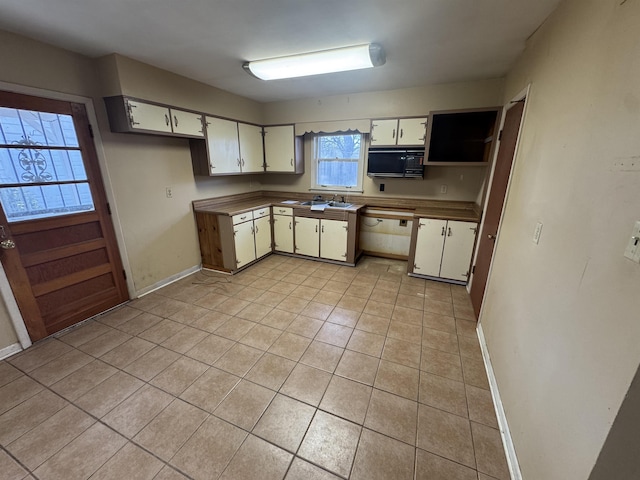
(291, 369)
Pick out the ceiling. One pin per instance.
(426, 41)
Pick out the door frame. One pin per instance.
(5, 290)
(523, 94)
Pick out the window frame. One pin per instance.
(315, 186)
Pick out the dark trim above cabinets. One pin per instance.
(219, 145)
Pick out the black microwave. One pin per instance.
(395, 163)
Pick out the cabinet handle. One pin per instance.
(316, 228)
(401, 132)
(289, 225)
(166, 119)
(238, 160)
(175, 120)
(393, 135)
(322, 229)
(256, 229)
(253, 232)
(443, 230)
(242, 218)
(243, 162)
(292, 162)
(449, 234)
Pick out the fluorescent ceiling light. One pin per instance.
(316, 63)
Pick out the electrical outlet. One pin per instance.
(169, 192)
(537, 232)
(632, 252)
(443, 189)
(382, 187)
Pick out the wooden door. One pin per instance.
(307, 236)
(458, 248)
(495, 203)
(412, 131)
(429, 245)
(333, 239)
(58, 244)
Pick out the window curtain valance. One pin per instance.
(362, 125)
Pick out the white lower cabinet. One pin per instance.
(307, 235)
(333, 239)
(443, 248)
(252, 238)
(283, 229)
(321, 238)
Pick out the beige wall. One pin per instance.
(561, 318)
(7, 332)
(463, 183)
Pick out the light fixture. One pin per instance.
(316, 63)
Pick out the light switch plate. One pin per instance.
(632, 252)
(537, 232)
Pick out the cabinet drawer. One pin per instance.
(283, 211)
(242, 217)
(261, 212)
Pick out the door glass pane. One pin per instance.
(41, 148)
(25, 203)
(25, 127)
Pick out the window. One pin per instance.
(42, 173)
(337, 162)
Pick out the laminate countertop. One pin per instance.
(236, 204)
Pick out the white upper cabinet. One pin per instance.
(186, 123)
(145, 116)
(251, 148)
(282, 150)
(223, 146)
(403, 131)
(412, 131)
(384, 132)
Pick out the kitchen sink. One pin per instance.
(332, 203)
(339, 204)
(315, 202)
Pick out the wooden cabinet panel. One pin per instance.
(282, 150)
(398, 131)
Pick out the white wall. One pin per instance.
(561, 317)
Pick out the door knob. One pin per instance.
(491, 237)
(8, 244)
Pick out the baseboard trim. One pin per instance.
(167, 281)
(10, 350)
(507, 442)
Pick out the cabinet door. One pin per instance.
(244, 242)
(251, 149)
(458, 248)
(149, 117)
(384, 132)
(262, 229)
(279, 149)
(333, 239)
(283, 233)
(187, 123)
(412, 131)
(307, 236)
(429, 243)
(222, 146)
